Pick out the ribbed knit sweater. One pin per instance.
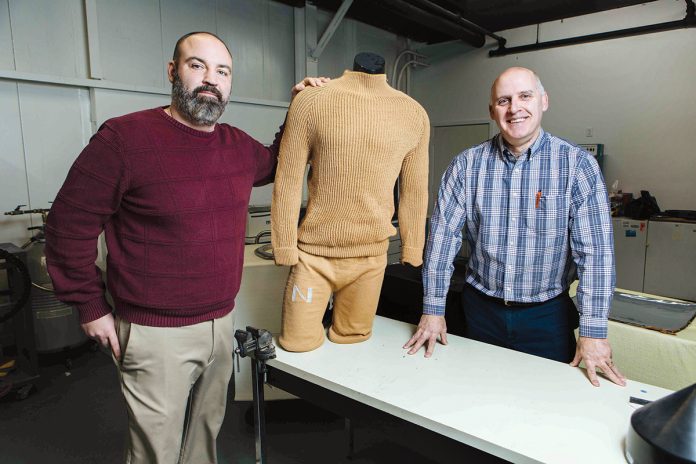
(173, 202)
(359, 136)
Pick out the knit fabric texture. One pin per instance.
(172, 201)
(359, 136)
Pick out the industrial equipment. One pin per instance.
(20, 370)
(596, 150)
(258, 225)
(664, 431)
(56, 325)
(630, 241)
(670, 260)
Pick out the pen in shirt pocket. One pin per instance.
(538, 199)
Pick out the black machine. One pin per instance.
(56, 324)
(19, 371)
(664, 431)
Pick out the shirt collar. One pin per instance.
(531, 151)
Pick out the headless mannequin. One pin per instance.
(370, 63)
(359, 135)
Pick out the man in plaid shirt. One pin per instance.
(534, 210)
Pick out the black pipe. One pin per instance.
(437, 23)
(688, 21)
(454, 17)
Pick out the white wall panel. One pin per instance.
(130, 42)
(13, 175)
(49, 37)
(340, 51)
(181, 17)
(6, 51)
(279, 54)
(636, 93)
(241, 25)
(55, 124)
(112, 103)
(260, 35)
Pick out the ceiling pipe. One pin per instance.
(457, 18)
(435, 22)
(688, 21)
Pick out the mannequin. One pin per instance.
(360, 136)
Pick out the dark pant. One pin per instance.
(544, 330)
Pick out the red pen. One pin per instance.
(538, 199)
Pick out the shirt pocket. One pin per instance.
(548, 219)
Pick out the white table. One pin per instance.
(515, 406)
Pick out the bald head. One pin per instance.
(518, 70)
(185, 37)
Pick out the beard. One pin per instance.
(200, 111)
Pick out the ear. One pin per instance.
(545, 101)
(171, 67)
(490, 111)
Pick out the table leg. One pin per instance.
(350, 435)
(258, 372)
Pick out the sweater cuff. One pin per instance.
(412, 256)
(285, 256)
(93, 310)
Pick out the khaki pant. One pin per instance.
(174, 381)
(355, 283)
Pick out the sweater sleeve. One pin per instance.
(267, 159)
(287, 189)
(413, 198)
(90, 195)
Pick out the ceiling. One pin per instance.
(434, 21)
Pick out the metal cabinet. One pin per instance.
(630, 239)
(670, 260)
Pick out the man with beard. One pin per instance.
(170, 188)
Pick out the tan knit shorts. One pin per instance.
(355, 284)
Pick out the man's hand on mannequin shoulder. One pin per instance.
(308, 82)
(429, 329)
(596, 352)
(103, 330)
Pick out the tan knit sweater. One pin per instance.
(358, 135)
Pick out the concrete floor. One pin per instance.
(79, 417)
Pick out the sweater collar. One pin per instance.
(365, 83)
(184, 127)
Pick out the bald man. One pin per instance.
(170, 188)
(534, 211)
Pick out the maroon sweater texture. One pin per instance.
(172, 201)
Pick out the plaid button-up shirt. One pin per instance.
(531, 223)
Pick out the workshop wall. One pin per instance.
(636, 94)
(49, 106)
